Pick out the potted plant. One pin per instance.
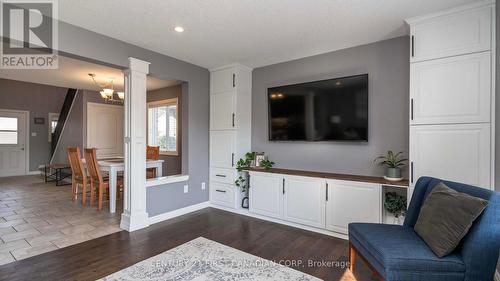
(393, 163)
(242, 181)
(396, 205)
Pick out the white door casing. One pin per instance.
(105, 129)
(14, 153)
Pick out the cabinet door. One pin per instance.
(451, 152)
(222, 149)
(352, 202)
(451, 90)
(222, 111)
(222, 80)
(304, 201)
(266, 194)
(450, 35)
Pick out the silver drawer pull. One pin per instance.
(220, 176)
(218, 190)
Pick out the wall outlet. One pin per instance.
(33, 134)
(202, 186)
(186, 189)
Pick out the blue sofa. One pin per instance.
(396, 252)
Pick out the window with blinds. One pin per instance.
(163, 125)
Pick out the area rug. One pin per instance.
(203, 259)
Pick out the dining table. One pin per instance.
(117, 164)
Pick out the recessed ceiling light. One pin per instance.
(179, 29)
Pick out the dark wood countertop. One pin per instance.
(346, 177)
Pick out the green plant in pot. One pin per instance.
(242, 181)
(395, 204)
(393, 163)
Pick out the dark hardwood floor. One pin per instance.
(102, 256)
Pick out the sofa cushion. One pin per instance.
(399, 248)
(445, 218)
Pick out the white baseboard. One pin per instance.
(178, 212)
(497, 275)
(245, 212)
(34, 173)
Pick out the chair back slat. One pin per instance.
(75, 162)
(92, 165)
(152, 152)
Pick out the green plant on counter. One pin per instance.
(395, 204)
(241, 181)
(391, 160)
(266, 164)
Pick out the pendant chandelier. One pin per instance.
(107, 91)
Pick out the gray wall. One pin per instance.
(75, 131)
(39, 100)
(386, 62)
(172, 164)
(74, 42)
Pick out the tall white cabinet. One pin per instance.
(452, 95)
(230, 130)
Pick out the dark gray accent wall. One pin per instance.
(39, 100)
(387, 64)
(172, 164)
(74, 42)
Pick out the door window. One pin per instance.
(8, 130)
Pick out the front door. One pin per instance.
(13, 145)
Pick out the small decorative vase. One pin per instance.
(393, 173)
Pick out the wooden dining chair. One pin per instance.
(152, 153)
(98, 183)
(79, 176)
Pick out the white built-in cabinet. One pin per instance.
(230, 130)
(452, 86)
(315, 202)
(352, 202)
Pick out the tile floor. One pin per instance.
(38, 217)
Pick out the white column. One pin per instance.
(134, 214)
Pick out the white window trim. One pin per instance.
(159, 103)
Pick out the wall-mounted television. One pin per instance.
(327, 110)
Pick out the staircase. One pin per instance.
(68, 101)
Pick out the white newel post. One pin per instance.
(134, 214)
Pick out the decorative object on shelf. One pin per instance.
(39, 120)
(396, 205)
(259, 157)
(393, 163)
(107, 91)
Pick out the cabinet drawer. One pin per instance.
(450, 35)
(451, 90)
(222, 194)
(222, 175)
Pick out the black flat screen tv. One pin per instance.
(327, 110)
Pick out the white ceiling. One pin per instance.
(252, 32)
(73, 73)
